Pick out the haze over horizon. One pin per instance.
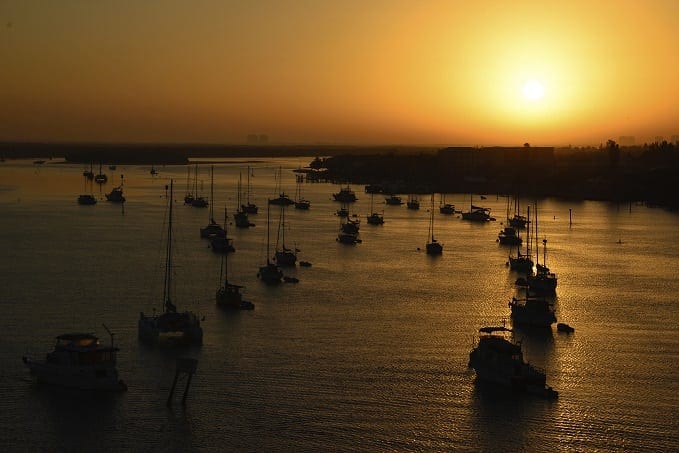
(385, 72)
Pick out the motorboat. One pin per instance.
(345, 195)
(497, 359)
(86, 199)
(116, 194)
(413, 203)
(509, 236)
(375, 219)
(477, 214)
(532, 312)
(563, 327)
(78, 361)
(393, 200)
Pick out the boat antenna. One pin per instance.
(109, 332)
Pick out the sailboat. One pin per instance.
(89, 174)
(523, 262)
(433, 247)
(189, 197)
(212, 228)
(477, 213)
(116, 194)
(222, 243)
(283, 255)
(87, 198)
(300, 203)
(282, 199)
(518, 221)
(374, 218)
(248, 208)
(543, 281)
(413, 202)
(170, 322)
(270, 273)
(446, 208)
(241, 216)
(198, 200)
(228, 295)
(101, 178)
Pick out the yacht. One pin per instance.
(393, 200)
(212, 228)
(532, 312)
(228, 295)
(433, 247)
(413, 203)
(375, 219)
(270, 273)
(345, 195)
(86, 199)
(116, 194)
(477, 214)
(509, 236)
(499, 360)
(78, 361)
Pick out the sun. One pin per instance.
(533, 90)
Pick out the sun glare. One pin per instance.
(533, 90)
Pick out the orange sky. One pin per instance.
(377, 72)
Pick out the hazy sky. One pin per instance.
(374, 72)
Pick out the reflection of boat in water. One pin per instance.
(532, 312)
(433, 247)
(79, 361)
(170, 322)
(499, 360)
(345, 195)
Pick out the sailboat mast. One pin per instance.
(537, 246)
(248, 188)
(168, 252)
(268, 221)
(212, 193)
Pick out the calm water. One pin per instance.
(368, 352)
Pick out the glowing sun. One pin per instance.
(533, 90)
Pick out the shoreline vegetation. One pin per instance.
(643, 173)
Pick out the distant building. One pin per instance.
(626, 140)
(258, 139)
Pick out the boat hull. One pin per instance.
(100, 378)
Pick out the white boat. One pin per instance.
(183, 326)
(78, 361)
(433, 247)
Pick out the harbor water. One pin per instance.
(368, 351)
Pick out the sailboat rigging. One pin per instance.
(170, 322)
